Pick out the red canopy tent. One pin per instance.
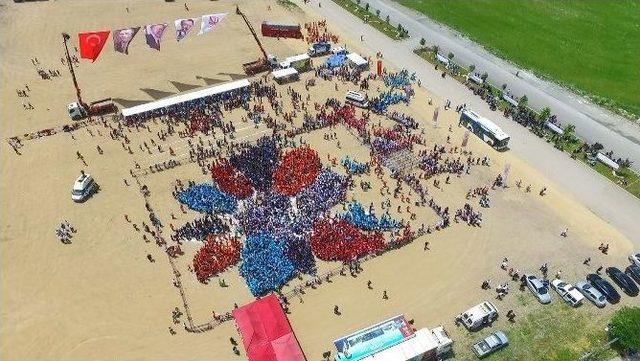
(266, 333)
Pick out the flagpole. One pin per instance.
(66, 37)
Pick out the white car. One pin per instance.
(591, 293)
(568, 293)
(538, 288)
(635, 259)
(83, 187)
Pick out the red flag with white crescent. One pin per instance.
(91, 43)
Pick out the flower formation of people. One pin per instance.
(279, 202)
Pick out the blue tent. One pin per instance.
(336, 60)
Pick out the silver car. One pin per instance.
(591, 293)
(539, 289)
(491, 343)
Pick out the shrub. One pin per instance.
(625, 326)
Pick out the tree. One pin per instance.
(399, 27)
(358, 2)
(625, 326)
(422, 42)
(387, 19)
(435, 48)
(472, 68)
(504, 86)
(544, 114)
(484, 76)
(366, 6)
(450, 56)
(378, 13)
(568, 132)
(523, 101)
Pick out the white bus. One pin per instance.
(485, 129)
(357, 99)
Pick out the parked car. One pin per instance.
(621, 279)
(489, 344)
(591, 294)
(83, 187)
(539, 289)
(635, 259)
(633, 271)
(478, 316)
(604, 287)
(568, 293)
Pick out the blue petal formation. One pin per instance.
(357, 216)
(207, 198)
(265, 266)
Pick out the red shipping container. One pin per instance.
(281, 30)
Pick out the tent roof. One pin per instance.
(266, 333)
(281, 73)
(357, 59)
(182, 98)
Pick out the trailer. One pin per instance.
(276, 30)
(394, 339)
(300, 62)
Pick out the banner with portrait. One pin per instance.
(209, 22)
(183, 26)
(153, 34)
(122, 38)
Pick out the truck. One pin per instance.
(260, 65)
(478, 316)
(79, 110)
(275, 30)
(319, 48)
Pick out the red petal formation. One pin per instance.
(215, 256)
(230, 180)
(338, 240)
(298, 169)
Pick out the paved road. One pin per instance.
(592, 122)
(597, 193)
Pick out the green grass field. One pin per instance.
(591, 46)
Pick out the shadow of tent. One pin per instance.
(234, 76)
(127, 103)
(182, 87)
(210, 81)
(156, 94)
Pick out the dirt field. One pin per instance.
(99, 297)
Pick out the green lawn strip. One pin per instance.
(632, 179)
(370, 18)
(583, 45)
(554, 332)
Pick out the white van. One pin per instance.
(478, 316)
(357, 99)
(83, 187)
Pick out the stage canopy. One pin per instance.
(183, 98)
(266, 333)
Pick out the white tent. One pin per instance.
(357, 60)
(183, 98)
(283, 73)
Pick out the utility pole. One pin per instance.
(66, 37)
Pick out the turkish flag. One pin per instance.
(91, 43)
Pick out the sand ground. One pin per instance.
(99, 298)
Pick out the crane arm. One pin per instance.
(255, 36)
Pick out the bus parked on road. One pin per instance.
(484, 128)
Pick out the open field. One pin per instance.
(582, 44)
(99, 298)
